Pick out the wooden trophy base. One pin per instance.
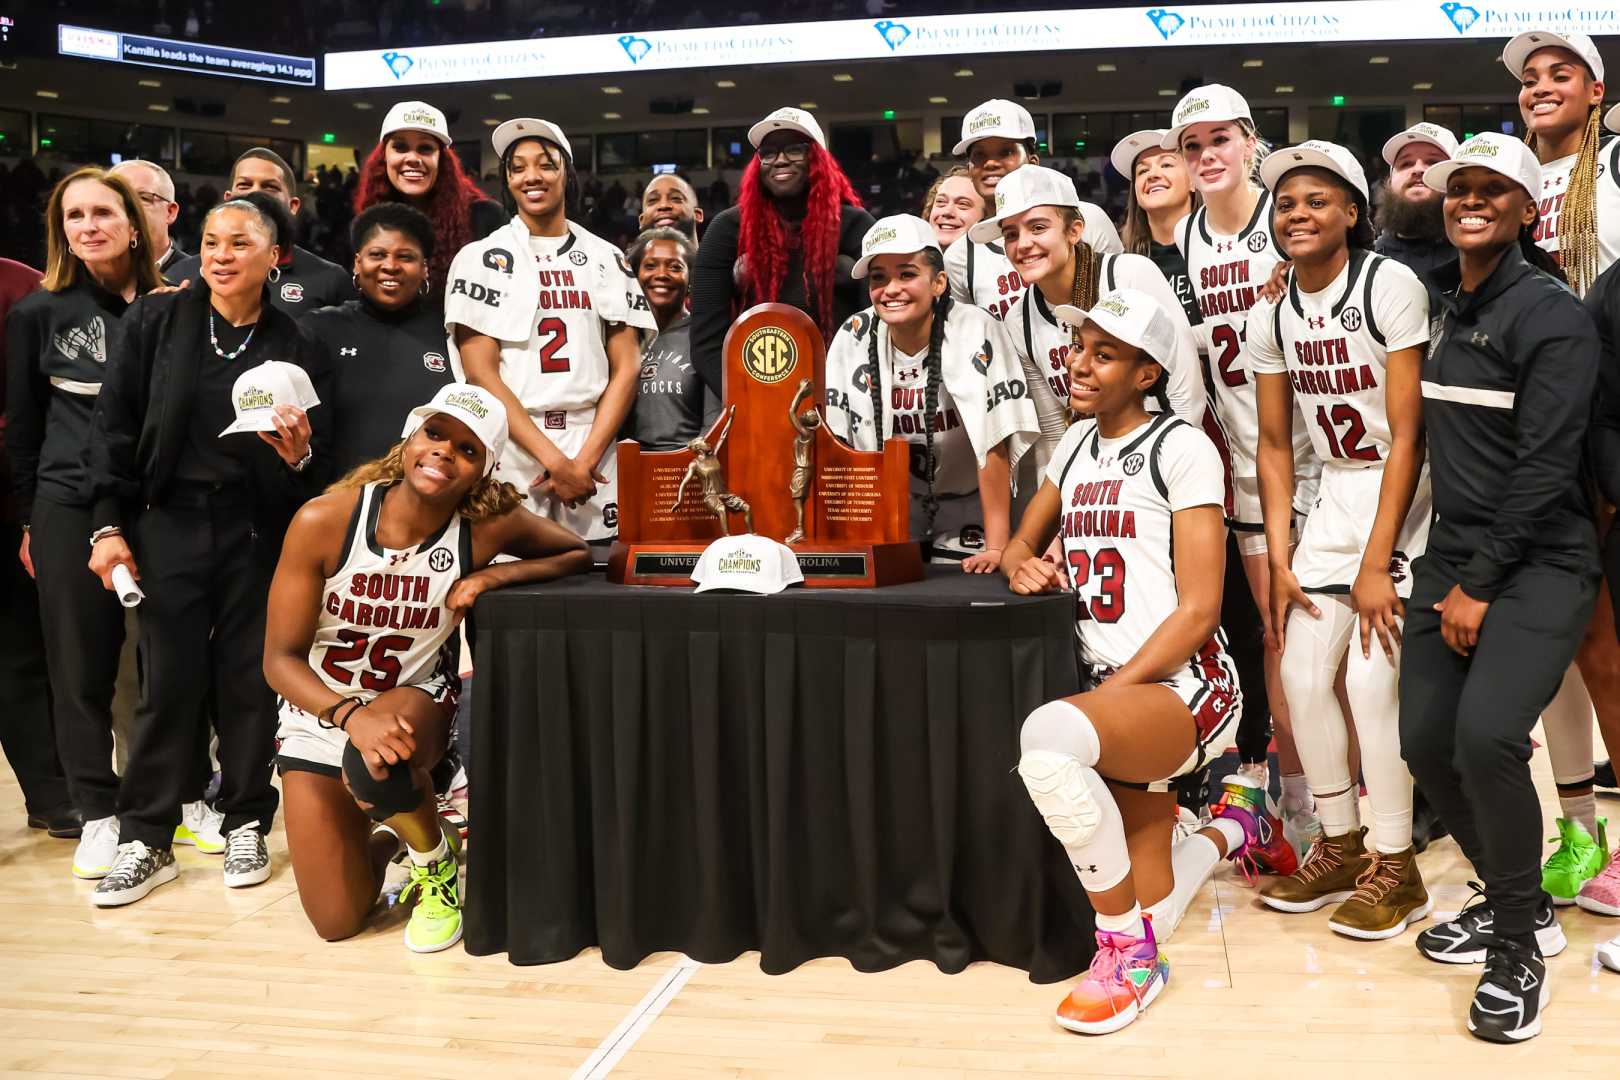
(825, 566)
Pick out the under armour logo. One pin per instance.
(348, 350)
(1085, 869)
(1224, 246)
(398, 557)
(1316, 322)
(1480, 339)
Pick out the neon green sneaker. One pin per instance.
(1578, 859)
(436, 919)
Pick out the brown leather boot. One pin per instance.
(1327, 876)
(1389, 896)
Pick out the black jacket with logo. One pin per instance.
(1507, 397)
(143, 414)
(383, 365)
(306, 283)
(1419, 256)
(57, 345)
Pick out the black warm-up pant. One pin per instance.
(1466, 720)
(27, 735)
(1246, 645)
(206, 576)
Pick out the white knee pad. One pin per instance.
(1058, 787)
(1061, 727)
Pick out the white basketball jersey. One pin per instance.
(383, 620)
(1117, 500)
(1550, 204)
(981, 275)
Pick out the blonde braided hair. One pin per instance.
(1577, 220)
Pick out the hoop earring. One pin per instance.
(427, 287)
(275, 274)
(356, 279)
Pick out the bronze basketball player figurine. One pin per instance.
(706, 467)
(803, 444)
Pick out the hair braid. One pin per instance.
(936, 343)
(1577, 220)
(1082, 294)
(874, 384)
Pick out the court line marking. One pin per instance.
(636, 1022)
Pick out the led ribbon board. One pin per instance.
(190, 56)
(1092, 29)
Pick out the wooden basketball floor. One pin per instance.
(201, 981)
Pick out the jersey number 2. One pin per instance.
(550, 362)
(1348, 445)
(1228, 343)
(384, 671)
(1108, 605)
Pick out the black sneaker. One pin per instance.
(1465, 938)
(1512, 993)
(136, 871)
(1426, 824)
(63, 823)
(1603, 775)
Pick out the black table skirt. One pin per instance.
(817, 773)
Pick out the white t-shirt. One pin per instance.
(981, 274)
(1333, 350)
(1117, 499)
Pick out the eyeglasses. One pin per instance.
(152, 198)
(794, 153)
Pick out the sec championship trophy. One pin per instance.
(844, 512)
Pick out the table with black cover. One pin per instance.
(817, 773)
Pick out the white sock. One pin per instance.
(1296, 794)
(1340, 813)
(1231, 830)
(1581, 808)
(1192, 860)
(1128, 923)
(428, 858)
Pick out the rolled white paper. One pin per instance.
(129, 593)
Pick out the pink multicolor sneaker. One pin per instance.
(1125, 976)
(1265, 849)
(1601, 894)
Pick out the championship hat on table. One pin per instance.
(747, 563)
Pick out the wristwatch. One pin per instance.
(303, 462)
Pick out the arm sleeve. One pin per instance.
(1603, 302)
(112, 469)
(27, 397)
(1192, 470)
(1400, 307)
(1260, 341)
(1552, 407)
(714, 293)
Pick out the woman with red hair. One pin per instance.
(413, 164)
(792, 238)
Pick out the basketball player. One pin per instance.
(373, 578)
(1561, 100)
(1345, 343)
(550, 318)
(943, 377)
(1230, 254)
(1041, 225)
(1135, 499)
(998, 138)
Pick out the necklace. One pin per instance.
(213, 339)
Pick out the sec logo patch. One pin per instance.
(1350, 319)
(292, 292)
(440, 559)
(770, 354)
(577, 257)
(1132, 464)
(1257, 242)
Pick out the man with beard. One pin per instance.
(1410, 227)
(669, 202)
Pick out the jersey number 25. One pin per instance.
(384, 670)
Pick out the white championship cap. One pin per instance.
(1210, 104)
(897, 234)
(1519, 50)
(259, 389)
(748, 563)
(474, 406)
(1494, 151)
(997, 118)
(528, 127)
(1423, 132)
(1125, 152)
(416, 116)
(1023, 189)
(787, 118)
(1132, 316)
(1314, 154)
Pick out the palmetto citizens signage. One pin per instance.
(190, 56)
(986, 32)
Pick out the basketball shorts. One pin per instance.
(1208, 686)
(304, 744)
(595, 519)
(1247, 521)
(1335, 535)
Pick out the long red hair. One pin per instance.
(449, 204)
(763, 237)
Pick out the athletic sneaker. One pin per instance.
(1389, 897)
(60, 823)
(1512, 993)
(1327, 876)
(435, 922)
(1301, 828)
(1264, 849)
(1126, 974)
(247, 857)
(137, 871)
(1601, 895)
(98, 848)
(1603, 775)
(1464, 938)
(1578, 860)
(1608, 954)
(199, 826)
